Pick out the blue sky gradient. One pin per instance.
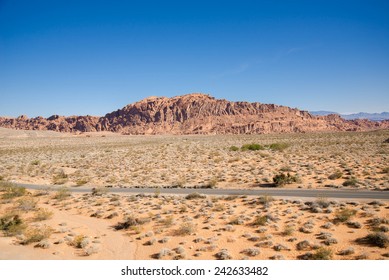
(93, 57)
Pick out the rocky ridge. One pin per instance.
(195, 114)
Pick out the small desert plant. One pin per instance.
(336, 175)
(265, 200)
(60, 178)
(99, 191)
(168, 221)
(322, 202)
(278, 146)
(43, 214)
(11, 190)
(194, 195)
(260, 221)
(36, 234)
(186, 229)
(282, 179)
(344, 215)
(353, 182)
(252, 147)
(130, 222)
(12, 224)
(80, 241)
(62, 194)
(234, 148)
(81, 182)
(288, 230)
(322, 254)
(379, 239)
(26, 204)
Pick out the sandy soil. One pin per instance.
(176, 227)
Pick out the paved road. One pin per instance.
(313, 193)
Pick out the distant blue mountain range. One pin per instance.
(361, 115)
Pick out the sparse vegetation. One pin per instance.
(282, 179)
(36, 234)
(344, 215)
(336, 175)
(378, 239)
(252, 147)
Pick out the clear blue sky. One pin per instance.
(93, 57)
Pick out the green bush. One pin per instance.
(252, 147)
(278, 146)
(234, 148)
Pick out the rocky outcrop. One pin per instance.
(196, 114)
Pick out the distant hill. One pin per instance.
(357, 116)
(195, 114)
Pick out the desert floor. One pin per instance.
(314, 160)
(58, 224)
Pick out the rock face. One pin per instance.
(195, 114)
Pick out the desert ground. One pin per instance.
(56, 223)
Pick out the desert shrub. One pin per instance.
(347, 251)
(62, 194)
(322, 202)
(194, 195)
(336, 175)
(60, 178)
(99, 191)
(260, 221)
(322, 254)
(353, 182)
(80, 241)
(35, 162)
(303, 245)
(81, 182)
(288, 230)
(12, 224)
(252, 147)
(265, 199)
(251, 252)
(131, 221)
(344, 215)
(36, 234)
(234, 148)
(223, 255)
(219, 207)
(282, 179)
(385, 170)
(186, 229)
(379, 239)
(10, 190)
(1, 178)
(26, 204)
(168, 221)
(43, 214)
(236, 221)
(278, 146)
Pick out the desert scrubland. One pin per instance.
(57, 224)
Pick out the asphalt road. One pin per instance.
(276, 192)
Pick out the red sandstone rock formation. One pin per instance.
(196, 114)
